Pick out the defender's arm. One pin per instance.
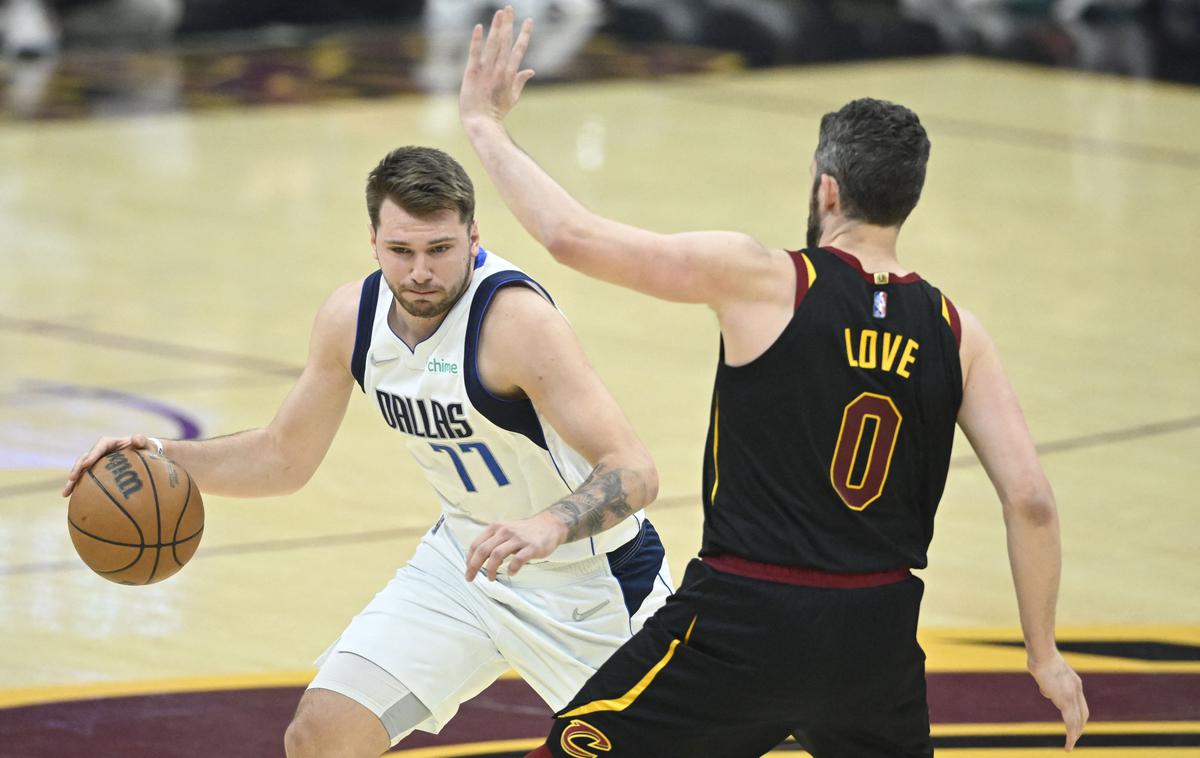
(992, 420)
(717, 268)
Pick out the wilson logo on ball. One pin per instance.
(123, 474)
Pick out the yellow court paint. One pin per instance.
(474, 748)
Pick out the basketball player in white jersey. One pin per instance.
(467, 358)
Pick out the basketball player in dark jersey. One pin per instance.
(841, 377)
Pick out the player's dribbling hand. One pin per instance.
(103, 447)
(494, 79)
(1062, 686)
(524, 540)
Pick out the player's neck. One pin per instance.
(873, 246)
(413, 330)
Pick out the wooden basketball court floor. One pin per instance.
(160, 274)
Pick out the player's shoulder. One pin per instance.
(768, 260)
(338, 315)
(343, 302)
(521, 326)
(347, 293)
(521, 332)
(517, 308)
(972, 329)
(975, 341)
(772, 286)
(768, 275)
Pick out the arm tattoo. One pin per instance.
(599, 503)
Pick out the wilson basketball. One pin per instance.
(135, 518)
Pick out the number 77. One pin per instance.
(482, 450)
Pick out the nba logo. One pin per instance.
(880, 309)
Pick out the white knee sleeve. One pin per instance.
(376, 690)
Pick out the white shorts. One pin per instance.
(446, 639)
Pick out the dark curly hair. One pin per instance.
(877, 152)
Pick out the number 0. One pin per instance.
(857, 492)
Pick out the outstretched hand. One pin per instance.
(494, 79)
(103, 447)
(1060, 684)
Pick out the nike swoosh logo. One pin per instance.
(376, 361)
(585, 615)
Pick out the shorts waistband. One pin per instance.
(545, 571)
(542, 572)
(803, 576)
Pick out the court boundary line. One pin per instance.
(240, 548)
(145, 346)
(1100, 439)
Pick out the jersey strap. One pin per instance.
(805, 274)
(516, 416)
(366, 324)
(950, 313)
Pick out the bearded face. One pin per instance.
(431, 300)
(815, 219)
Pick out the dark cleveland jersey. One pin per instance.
(830, 450)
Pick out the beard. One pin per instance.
(435, 308)
(814, 216)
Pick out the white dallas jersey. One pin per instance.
(487, 458)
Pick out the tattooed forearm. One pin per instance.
(599, 503)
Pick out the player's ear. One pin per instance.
(374, 249)
(473, 236)
(829, 194)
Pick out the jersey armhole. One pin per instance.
(950, 314)
(805, 275)
(367, 301)
(517, 416)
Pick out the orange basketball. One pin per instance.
(135, 518)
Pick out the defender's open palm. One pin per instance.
(494, 79)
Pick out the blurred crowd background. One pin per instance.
(134, 54)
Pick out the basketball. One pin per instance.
(135, 518)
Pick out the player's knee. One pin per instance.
(309, 736)
(328, 724)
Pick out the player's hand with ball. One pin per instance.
(103, 447)
(135, 516)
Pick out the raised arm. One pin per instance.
(528, 348)
(992, 420)
(717, 268)
(281, 457)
